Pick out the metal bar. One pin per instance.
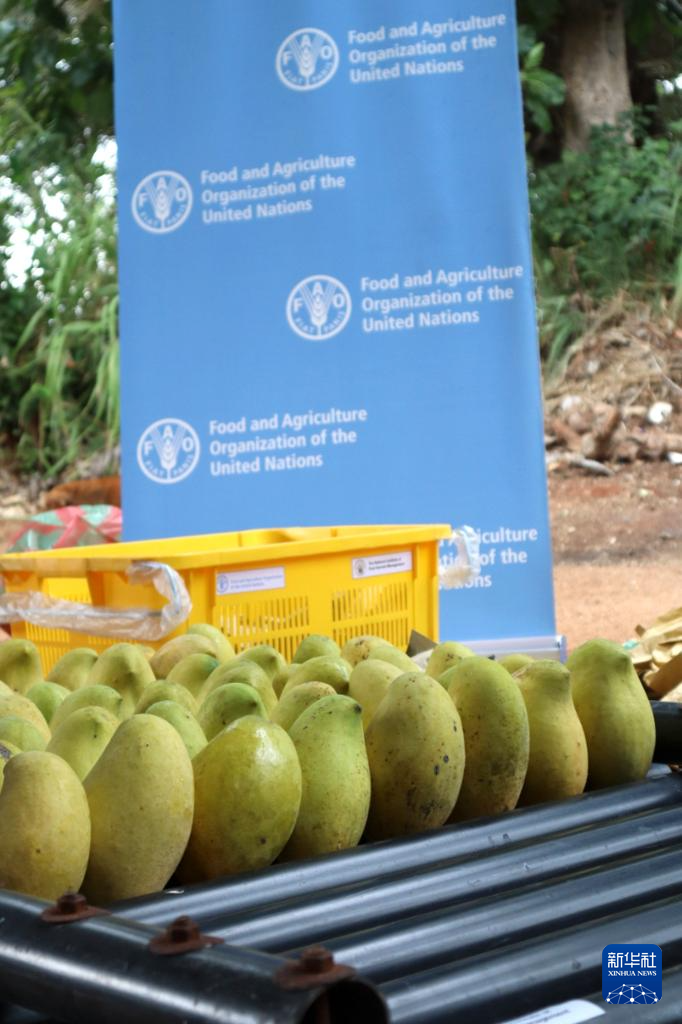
(351, 908)
(427, 940)
(668, 718)
(530, 975)
(307, 880)
(101, 969)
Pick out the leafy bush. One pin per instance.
(604, 220)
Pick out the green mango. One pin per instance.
(192, 673)
(330, 744)
(21, 733)
(514, 662)
(174, 650)
(392, 656)
(247, 672)
(415, 748)
(7, 750)
(247, 799)
(224, 651)
(557, 765)
(89, 696)
(13, 704)
(614, 712)
(267, 658)
(300, 698)
(358, 647)
(73, 668)
(444, 656)
(226, 704)
(124, 668)
(184, 723)
(47, 697)
(162, 689)
(369, 683)
(45, 834)
(141, 798)
(315, 646)
(20, 665)
(496, 736)
(81, 738)
(326, 669)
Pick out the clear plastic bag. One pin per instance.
(117, 623)
(459, 558)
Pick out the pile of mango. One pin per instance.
(124, 770)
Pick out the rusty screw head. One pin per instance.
(183, 929)
(316, 960)
(71, 903)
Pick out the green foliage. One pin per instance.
(604, 220)
(542, 89)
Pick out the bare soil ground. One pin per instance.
(617, 549)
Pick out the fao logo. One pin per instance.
(307, 59)
(318, 307)
(162, 201)
(168, 451)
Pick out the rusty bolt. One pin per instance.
(316, 960)
(71, 906)
(181, 936)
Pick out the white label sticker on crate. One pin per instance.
(250, 579)
(573, 1012)
(381, 565)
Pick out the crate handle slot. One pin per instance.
(119, 623)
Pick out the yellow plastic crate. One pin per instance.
(257, 586)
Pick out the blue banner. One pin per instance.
(327, 310)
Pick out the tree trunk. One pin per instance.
(594, 66)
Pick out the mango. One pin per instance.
(358, 647)
(7, 750)
(296, 702)
(314, 646)
(369, 683)
(496, 736)
(330, 744)
(14, 704)
(192, 673)
(444, 656)
(226, 704)
(392, 656)
(47, 697)
(45, 834)
(124, 668)
(247, 798)
(140, 794)
(224, 651)
(415, 747)
(163, 690)
(184, 723)
(81, 738)
(557, 765)
(267, 658)
(173, 651)
(21, 733)
(87, 697)
(614, 712)
(20, 665)
(73, 668)
(325, 669)
(514, 662)
(247, 672)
